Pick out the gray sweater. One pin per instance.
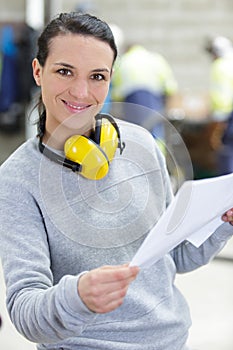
(55, 225)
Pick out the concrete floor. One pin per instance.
(208, 290)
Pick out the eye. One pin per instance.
(64, 72)
(98, 77)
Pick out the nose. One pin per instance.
(79, 88)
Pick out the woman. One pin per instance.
(69, 232)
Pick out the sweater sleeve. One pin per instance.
(41, 311)
(187, 257)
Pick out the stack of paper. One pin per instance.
(193, 215)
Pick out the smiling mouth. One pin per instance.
(76, 107)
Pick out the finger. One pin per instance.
(110, 274)
(109, 304)
(229, 214)
(228, 217)
(103, 303)
(101, 298)
(100, 278)
(99, 295)
(99, 287)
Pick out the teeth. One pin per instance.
(75, 107)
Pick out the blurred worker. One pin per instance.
(221, 99)
(143, 78)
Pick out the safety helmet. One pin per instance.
(219, 46)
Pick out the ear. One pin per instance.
(37, 69)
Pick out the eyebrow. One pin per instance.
(67, 65)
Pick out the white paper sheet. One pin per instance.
(193, 215)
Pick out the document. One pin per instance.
(193, 215)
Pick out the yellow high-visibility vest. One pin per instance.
(221, 85)
(140, 69)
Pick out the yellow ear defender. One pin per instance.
(90, 156)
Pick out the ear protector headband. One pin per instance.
(90, 156)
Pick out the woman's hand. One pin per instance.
(103, 290)
(228, 216)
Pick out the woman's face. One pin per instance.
(74, 82)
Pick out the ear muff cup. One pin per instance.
(107, 136)
(94, 155)
(84, 151)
